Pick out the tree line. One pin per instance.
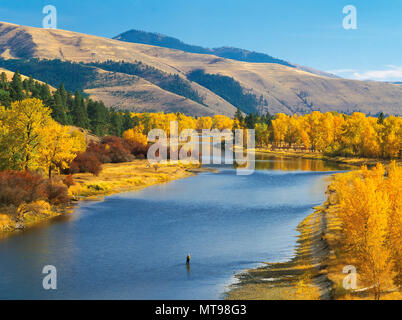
(67, 108)
(369, 208)
(331, 133)
(229, 89)
(79, 75)
(169, 82)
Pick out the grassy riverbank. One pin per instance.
(352, 161)
(300, 278)
(114, 178)
(316, 270)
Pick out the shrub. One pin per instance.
(57, 193)
(68, 180)
(74, 190)
(117, 149)
(86, 162)
(35, 208)
(98, 186)
(99, 150)
(138, 149)
(137, 142)
(111, 150)
(6, 222)
(17, 187)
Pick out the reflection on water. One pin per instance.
(134, 245)
(269, 162)
(188, 267)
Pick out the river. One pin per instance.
(134, 245)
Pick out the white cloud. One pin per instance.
(389, 73)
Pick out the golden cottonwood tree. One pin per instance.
(204, 123)
(393, 187)
(280, 127)
(135, 136)
(337, 134)
(262, 134)
(31, 140)
(391, 135)
(59, 147)
(221, 122)
(369, 209)
(22, 125)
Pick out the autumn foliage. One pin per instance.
(113, 150)
(136, 141)
(338, 134)
(85, 162)
(31, 140)
(370, 210)
(110, 149)
(17, 187)
(149, 121)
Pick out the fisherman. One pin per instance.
(188, 259)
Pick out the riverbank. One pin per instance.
(114, 178)
(316, 270)
(319, 156)
(302, 278)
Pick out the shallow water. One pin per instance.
(134, 245)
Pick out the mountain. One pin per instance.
(154, 78)
(160, 40)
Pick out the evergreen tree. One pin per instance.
(250, 120)
(239, 115)
(79, 112)
(99, 117)
(58, 109)
(63, 94)
(45, 95)
(17, 92)
(3, 81)
(69, 107)
(116, 124)
(5, 99)
(381, 118)
(128, 121)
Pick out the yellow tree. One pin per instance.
(135, 136)
(280, 127)
(391, 136)
(364, 210)
(261, 134)
(293, 132)
(328, 129)
(186, 122)
(204, 123)
(393, 185)
(59, 146)
(370, 146)
(23, 123)
(339, 122)
(353, 133)
(314, 122)
(221, 122)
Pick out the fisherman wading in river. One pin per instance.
(188, 259)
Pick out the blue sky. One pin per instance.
(307, 32)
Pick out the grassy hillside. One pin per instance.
(285, 89)
(160, 40)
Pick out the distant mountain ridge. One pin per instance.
(161, 40)
(150, 78)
